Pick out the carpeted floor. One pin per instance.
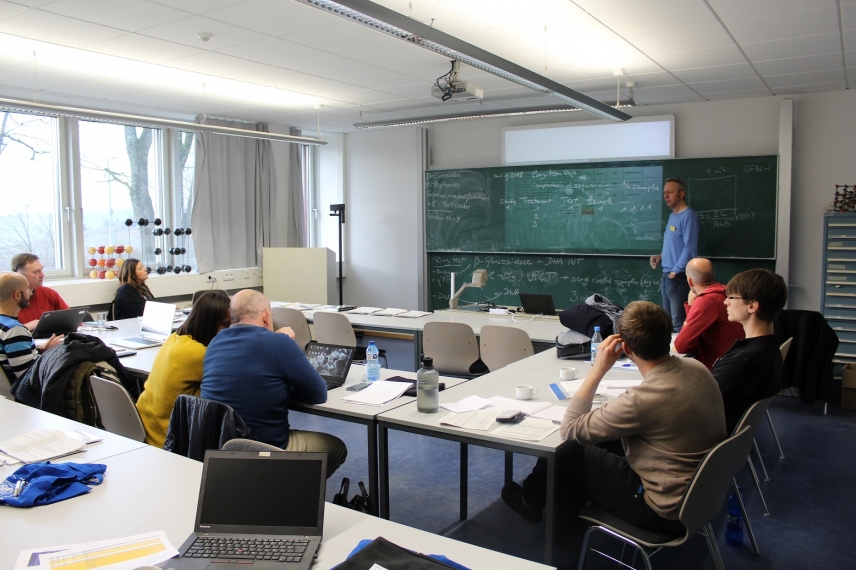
(810, 493)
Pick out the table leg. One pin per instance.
(371, 432)
(509, 467)
(464, 479)
(550, 509)
(383, 471)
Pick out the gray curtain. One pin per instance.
(298, 232)
(232, 198)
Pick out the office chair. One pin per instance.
(283, 317)
(702, 502)
(5, 386)
(118, 413)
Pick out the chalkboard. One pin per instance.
(570, 279)
(602, 208)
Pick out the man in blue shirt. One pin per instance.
(680, 245)
(257, 372)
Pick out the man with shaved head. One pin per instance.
(707, 333)
(257, 372)
(17, 350)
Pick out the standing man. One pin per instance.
(680, 245)
(43, 298)
(707, 332)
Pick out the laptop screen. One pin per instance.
(330, 360)
(249, 492)
(157, 319)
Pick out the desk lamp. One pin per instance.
(479, 280)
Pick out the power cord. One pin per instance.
(448, 90)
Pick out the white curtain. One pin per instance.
(232, 198)
(298, 231)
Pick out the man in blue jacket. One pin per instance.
(257, 371)
(680, 245)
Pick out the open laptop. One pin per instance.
(59, 322)
(535, 304)
(256, 511)
(155, 327)
(331, 361)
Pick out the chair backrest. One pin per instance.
(333, 328)
(197, 294)
(707, 490)
(785, 348)
(116, 408)
(283, 317)
(453, 346)
(754, 416)
(500, 346)
(240, 444)
(5, 386)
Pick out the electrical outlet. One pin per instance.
(211, 278)
(229, 276)
(246, 273)
(261, 272)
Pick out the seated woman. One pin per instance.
(177, 368)
(133, 293)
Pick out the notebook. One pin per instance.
(331, 361)
(535, 304)
(155, 327)
(256, 511)
(59, 322)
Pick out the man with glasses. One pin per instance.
(43, 298)
(17, 350)
(751, 370)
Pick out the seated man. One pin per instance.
(707, 333)
(666, 425)
(751, 370)
(257, 372)
(17, 350)
(43, 298)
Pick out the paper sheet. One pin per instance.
(365, 310)
(553, 413)
(41, 445)
(390, 312)
(627, 365)
(530, 429)
(468, 404)
(378, 393)
(528, 407)
(413, 314)
(119, 554)
(479, 419)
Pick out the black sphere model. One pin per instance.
(183, 251)
(187, 231)
(176, 269)
(187, 269)
(160, 270)
(178, 231)
(158, 251)
(143, 222)
(157, 221)
(167, 231)
(129, 222)
(148, 270)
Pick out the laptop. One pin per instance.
(59, 322)
(536, 304)
(331, 361)
(256, 511)
(155, 327)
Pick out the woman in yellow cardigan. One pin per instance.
(177, 368)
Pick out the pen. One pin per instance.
(557, 422)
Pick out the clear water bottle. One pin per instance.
(427, 387)
(372, 362)
(734, 522)
(596, 339)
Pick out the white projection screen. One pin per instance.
(588, 141)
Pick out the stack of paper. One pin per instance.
(553, 413)
(527, 407)
(378, 393)
(365, 310)
(413, 314)
(41, 445)
(479, 419)
(137, 551)
(529, 429)
(390, 312)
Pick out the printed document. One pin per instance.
(526, 406)
(364, 310)
(390, 312)
(553, 413)
(468, 404)
(479, 419)
(119, 554)
(41, 445)
(530, 429)
(413, 314)
(378, 393)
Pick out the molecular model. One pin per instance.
(107, 267)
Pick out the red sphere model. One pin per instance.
(120, 248)
(102, 274)
(110, 262)
(93, 262)
(101, 249)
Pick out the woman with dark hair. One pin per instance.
(177, 368)
(133, 293)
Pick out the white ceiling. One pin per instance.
(296, 56)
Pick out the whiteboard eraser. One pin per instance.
(498, 311)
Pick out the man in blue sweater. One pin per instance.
(257, 371)
(680, 245)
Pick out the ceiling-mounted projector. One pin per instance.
(450, 87)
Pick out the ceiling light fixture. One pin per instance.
(464, 117)
(400, 26)
(148, 122)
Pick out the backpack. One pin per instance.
(571, 345)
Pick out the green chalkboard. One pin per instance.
(602, 208)
(569, 279)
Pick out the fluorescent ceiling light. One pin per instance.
(463, 117)
(404, 28)
(148, 122)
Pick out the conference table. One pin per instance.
(147, 489)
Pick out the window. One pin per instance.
(29, 189)
(185, 168)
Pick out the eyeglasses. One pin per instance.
(733, 298)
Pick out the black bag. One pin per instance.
(583, 318)
(571, 345)
(361, 503)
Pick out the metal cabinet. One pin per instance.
(838, 298)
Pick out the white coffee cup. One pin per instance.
(524, 392)
(567, 373)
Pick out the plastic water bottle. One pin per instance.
(596, 339)
(427, 387)
(734, 522)
(372, 362)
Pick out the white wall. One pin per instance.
(823, 156)
(383, 182)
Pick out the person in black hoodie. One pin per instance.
(751, 369)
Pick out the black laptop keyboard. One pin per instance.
(273, 549)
